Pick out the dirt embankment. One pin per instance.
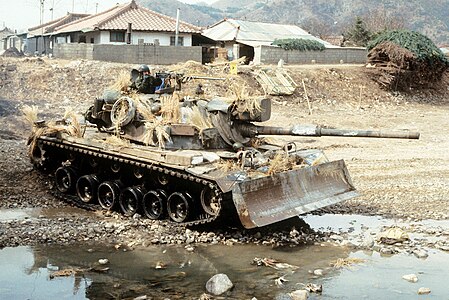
(397, 178)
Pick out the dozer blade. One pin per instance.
(270, 199)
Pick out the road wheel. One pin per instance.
(178, 206)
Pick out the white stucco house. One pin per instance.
(125, 24)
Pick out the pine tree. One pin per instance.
(359, 33)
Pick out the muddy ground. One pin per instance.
(405, 180)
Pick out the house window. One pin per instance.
(117, 36)
(180, 41)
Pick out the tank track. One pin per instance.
(86, 151)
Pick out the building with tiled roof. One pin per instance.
(126, 24)
(37, 36)
(50, 26)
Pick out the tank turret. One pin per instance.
(229, 123)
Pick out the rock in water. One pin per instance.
(393, 235)
(299, 295)
(423, 291)
(410, 277)
(219, 284)
(420, 253)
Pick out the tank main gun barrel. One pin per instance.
(251, 130)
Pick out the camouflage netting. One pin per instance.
(406, 59)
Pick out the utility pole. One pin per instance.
(96, 8)
(52, 8)
(177, 28)
(42, 27)
(42, 11)
(73, 6)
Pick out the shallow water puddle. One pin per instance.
(182, 274)
(18, 214)
(381, 278)
(345, 223)
(15, 214)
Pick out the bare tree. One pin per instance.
(317, 27)
(381, 19)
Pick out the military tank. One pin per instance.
(192, 160)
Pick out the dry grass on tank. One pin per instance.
(30, 114)
(243, 98)
(279, 163)
(226, 166)
(156, 133)
(49, 129)
(142, 107)
(121, 82)
(120, 116)
(170, 109)
(238, 90)
(116, 142)
(74, 128)
(199, 120)
(251, 104)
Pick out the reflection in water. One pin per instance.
(134, 273)
(22, 278)
(26, 272)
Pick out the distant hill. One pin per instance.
(200, 15)
(430, 17)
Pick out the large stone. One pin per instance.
(393, 235)
(219, 284)
(410, 277)
(420, 253)
(299, 295)
(423, 291)
(336, 237)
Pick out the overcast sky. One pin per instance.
(23, 14)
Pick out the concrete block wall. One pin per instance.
(73, 51)
(141, 53)
(272, 55)
(115, 53)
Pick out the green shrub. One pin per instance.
(299, 44)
